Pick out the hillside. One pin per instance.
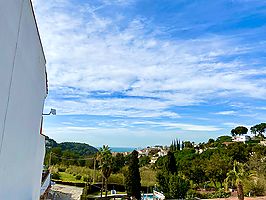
(80, 149)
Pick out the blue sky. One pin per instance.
(143, 72)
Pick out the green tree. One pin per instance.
(106, 164)
(216, 168)
(238, 151)
(119, 162)
(178, 187)
(170, 164)
(187, 145)
(236, 177)
(240, 130)
(144, 160)
(224, 138)
(132, 181)
(163, 181)
(258, 129)
(196, 172)
(175, 146)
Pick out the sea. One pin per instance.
(122, 149)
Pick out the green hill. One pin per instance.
(80, 149)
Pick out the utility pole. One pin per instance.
(50, 158)
(94, 169)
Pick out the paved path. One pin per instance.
(65, 192)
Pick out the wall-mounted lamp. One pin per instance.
(52, 111)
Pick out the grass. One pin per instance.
(148, 175)
(69, 177)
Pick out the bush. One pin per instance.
(192, 194)
(219, 194)
(61, 169)
(86, 178)
(56, 176)
(116, 178)
(178, 187)
(78, 177)
(255, 187)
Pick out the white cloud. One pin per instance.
(182, 126)
(113, 107)
(227, 112)
(91, 52)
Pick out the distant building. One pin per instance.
(153, 160)
(241, 138)
(227, 143)
(23, 89)
(263, 142)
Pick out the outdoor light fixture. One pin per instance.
(52, 111)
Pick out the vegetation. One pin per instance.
(240, 130)
(236, 177)
(258, 130)
(205, 170)
(210, 168)
(133, 185)
(106, 163)
(73, 153)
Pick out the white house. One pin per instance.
(240, 138)
(23, 89)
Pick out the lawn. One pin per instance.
(69, 178)
(148, 175)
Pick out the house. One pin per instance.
(241, 138)
(23, 88)
(263, 142)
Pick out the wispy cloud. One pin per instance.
(91, 52)
(182, 126)
(104, 59)
(227, 112)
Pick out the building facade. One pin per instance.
(240, 138)
(23, 89)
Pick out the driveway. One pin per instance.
(65, 192)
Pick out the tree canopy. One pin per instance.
(133, 185)
(258, 129)
(240, 130)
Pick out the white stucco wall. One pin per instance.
(23, 90)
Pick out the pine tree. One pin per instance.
(179, 145)
(170, 165)
(133, 185)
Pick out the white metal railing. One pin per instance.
(46, 184)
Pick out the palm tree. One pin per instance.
(106, 162)
(235, 177)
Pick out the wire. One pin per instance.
(64, 158)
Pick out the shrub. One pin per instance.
(61, 169)
(78, 177)
(86, 178)
(56, 176)
(219, 194)
(178, 187)
(255, 187)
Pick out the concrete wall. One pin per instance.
(22, 90)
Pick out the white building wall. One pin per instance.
(23, 90)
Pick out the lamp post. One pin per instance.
(52, 111)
